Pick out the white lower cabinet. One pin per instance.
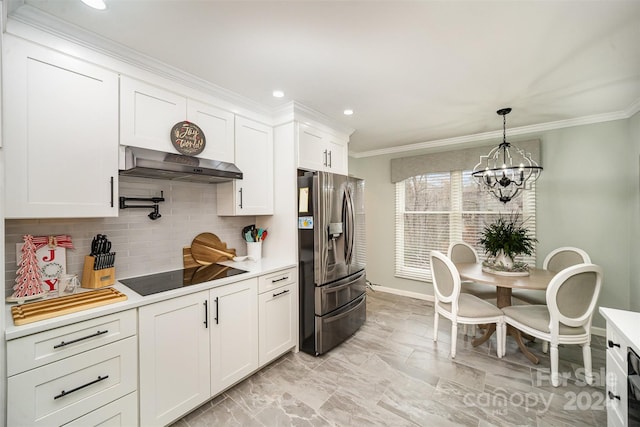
(234, 333)
(278, 314)
(174, 358)
(121, 413)
(88, 379)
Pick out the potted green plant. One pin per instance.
(505, 239)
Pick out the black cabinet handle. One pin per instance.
(611, 344)
(330, 159)
(613, 396)
(111, 191)
(65, 393)
(240, 197)
(325, 158)
(63, 343)
(206, 314)
(281, 293)
(217, 312)
(280, 279)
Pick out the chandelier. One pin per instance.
(506, 170)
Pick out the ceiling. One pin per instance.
(414, 72)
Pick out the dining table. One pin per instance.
(537, 279)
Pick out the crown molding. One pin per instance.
(523, 130)
(35, 18)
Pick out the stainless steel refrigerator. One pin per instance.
(331, 253)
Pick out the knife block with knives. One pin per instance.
(98, 270)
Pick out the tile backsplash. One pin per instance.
(143, 246)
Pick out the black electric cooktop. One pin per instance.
(160, 282)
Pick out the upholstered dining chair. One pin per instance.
(459, 308)
(558, 259)
(566, 319)
(460, 252)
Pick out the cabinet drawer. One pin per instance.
(121, 413)
(269, 282)
(615, 345)
(39, 349)
(65, 390)
(616, 391)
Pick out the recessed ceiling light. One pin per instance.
(278, 93)
(96, 4)
(348, 112)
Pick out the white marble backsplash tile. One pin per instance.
(143, 246)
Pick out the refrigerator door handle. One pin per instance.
(349, 220)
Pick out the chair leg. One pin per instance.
(555, 378)
(454, 338)
(473, 330)
(465, 329)
(499, 332)
(545, 347)
(586, 355)
(435, 326)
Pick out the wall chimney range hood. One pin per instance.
(146, 163)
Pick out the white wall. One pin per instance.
(143, 246)
(587, 197)
(634, 251)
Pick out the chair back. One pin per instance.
(446, 279)
(572, 295)
(561, 258)
(460, 252)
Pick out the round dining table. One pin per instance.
(538, 279)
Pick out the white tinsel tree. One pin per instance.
(29, 278)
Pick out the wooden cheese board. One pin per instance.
(41, 310)
(206, 249)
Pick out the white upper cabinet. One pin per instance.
(60, 134)
(321, 151)
(148, 112)
(253, 194)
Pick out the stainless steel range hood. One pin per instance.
(157, 164)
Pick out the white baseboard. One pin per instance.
(416, 295)
(602, 332)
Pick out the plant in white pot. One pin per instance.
(505, 239)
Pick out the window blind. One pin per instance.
(435, 209)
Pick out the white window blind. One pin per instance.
(435, 209)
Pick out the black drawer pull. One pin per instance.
(286, 291)
(62, 344)
(613, 396)
(280, 279)
(217, 312)
(64, 393)
(611, 344)
(206, 314)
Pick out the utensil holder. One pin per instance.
(94, 279)
(254, 250)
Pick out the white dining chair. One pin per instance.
(460, 252)
(458, 307)
(566, 319)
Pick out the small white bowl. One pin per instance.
(239, 258)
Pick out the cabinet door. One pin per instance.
(312, 153)
(338, 155)
(147, 114)
(277, 310)
(253, 194)
(174, 358)
(218, 129)
(60, 134)
(234, 333)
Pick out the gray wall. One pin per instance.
(587, 197)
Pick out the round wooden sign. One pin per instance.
(188, 138)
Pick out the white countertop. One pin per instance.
(134, 300)
(626, 322)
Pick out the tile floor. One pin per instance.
(391, 373)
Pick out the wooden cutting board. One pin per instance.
(207, 248)
(35, 311)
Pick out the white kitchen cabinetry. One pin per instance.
(88, 369)
(278, 314)
(175, 360)
(60, 134)
(321, 151)
(234, 333)
(148, 112)
(253, 194)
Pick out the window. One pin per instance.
(435, 209)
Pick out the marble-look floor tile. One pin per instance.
(392, 373)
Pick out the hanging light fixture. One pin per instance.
(506, 170)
